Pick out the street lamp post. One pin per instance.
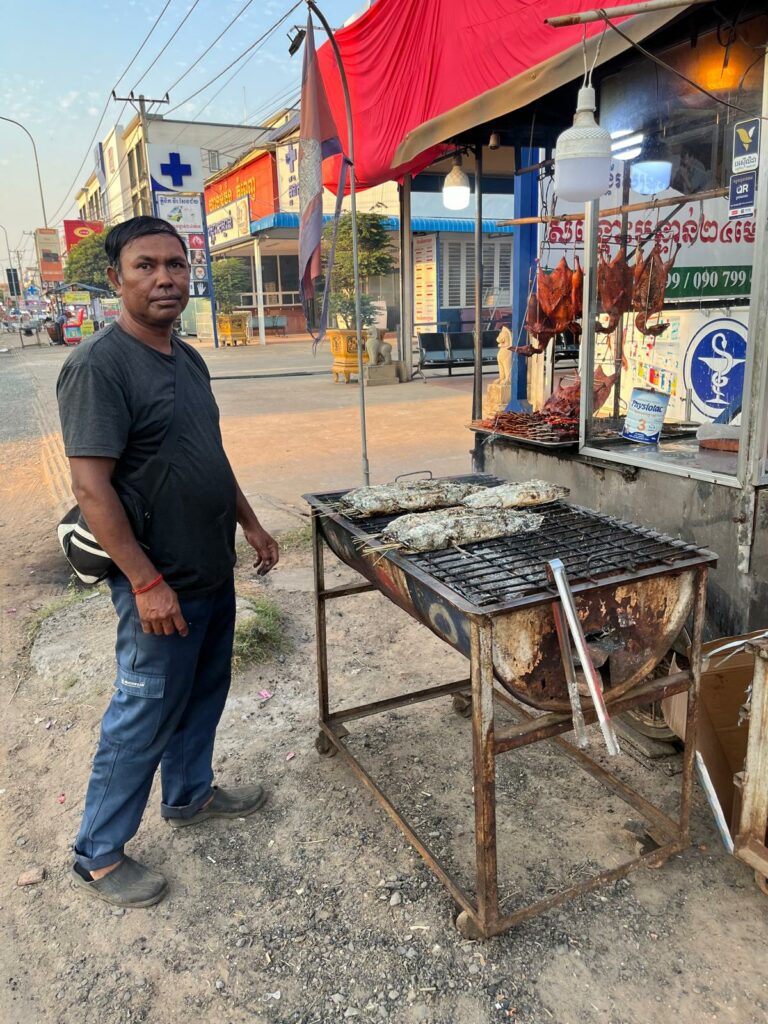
(18, 124)
(295, 45)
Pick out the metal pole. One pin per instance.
(401, 243)
(355, 264)
(37, 164)
(587, 348)
(259, 291)
(142, 110)
(145, 147)
(406, 269)
(477, 390)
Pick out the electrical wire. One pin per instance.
(208, 49)
(262, 38)
(127, 68)
(168, 43)
(270, 105)
(673, 70)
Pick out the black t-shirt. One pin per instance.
(115, 399)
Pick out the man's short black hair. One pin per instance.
(137, 227)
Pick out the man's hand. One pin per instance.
(265, 547)
(160, 611)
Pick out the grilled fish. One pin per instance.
(433, 531)
(523, 495)
(411, 496)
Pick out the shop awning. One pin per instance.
(422, 71)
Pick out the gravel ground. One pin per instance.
(316, 910)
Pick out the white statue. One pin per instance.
(504, 358)
(379, 351)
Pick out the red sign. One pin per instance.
(76, 230)
(256, 179)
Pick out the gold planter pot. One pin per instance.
(232, 328)
(344, 351)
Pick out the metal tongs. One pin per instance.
(567, 620)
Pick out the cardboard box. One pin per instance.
(721, 740)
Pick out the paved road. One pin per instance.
(285, 434)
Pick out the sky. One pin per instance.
(60, 62)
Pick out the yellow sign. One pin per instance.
(75, 298)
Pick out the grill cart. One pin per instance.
(631, 589)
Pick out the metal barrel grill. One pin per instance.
(633, 587)
(630, 591)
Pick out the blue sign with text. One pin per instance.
(741, 202)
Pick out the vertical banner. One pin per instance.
(187, 214)
(48, 247)
(425, 280)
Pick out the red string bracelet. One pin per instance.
(149, 586)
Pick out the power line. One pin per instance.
(208, 49)
(128, 66)
(168, 43)
(270, 105)
(237, 60)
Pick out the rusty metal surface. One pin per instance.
(630, 611)
(482, 918)
(636, 624)
(546, 726)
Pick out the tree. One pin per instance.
(87, 263)
(231, 278)
(375, 257)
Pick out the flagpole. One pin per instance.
(355, 262)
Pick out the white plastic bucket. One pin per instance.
(645, 416)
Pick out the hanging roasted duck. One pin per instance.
(650, 283)
(615, 282)
(565, 402)
(555, 306)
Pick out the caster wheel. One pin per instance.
(467, 928)
(462, 704)
(324, 747)
(762, 882)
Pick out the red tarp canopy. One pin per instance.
(410, 61)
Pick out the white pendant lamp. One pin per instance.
(456, 187)
(583, 154)
(651, 172)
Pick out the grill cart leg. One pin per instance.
(689, 753)
(320, 633)
(484, 773)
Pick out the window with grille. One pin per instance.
(459, 273)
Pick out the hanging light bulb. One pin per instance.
(583, 154)
(651, 172)
(456, 187)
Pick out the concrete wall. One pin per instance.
(698, 512)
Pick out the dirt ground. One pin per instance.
(317, 910)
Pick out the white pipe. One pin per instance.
(259, 292)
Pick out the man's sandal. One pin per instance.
(226, 803)
(130, 884)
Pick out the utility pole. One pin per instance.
(139, 103)
(21, 279)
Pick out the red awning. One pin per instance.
(410, 63)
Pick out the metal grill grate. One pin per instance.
(592, 546)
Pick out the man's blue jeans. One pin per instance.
(168, 699)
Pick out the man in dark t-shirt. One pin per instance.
(174, 591)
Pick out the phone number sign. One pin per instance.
(708, 282)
